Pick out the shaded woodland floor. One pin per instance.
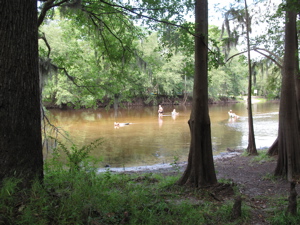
(151, 196)
(261, 191)
(259, 188)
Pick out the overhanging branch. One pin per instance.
(271, 55)
(47, 6)
(43, 37)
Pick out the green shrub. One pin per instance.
(77, 157)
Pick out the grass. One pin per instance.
(89, 198)
(279, 214)
(270, 177)
(78, 194)
(262, 156)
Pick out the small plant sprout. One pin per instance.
(175, 165)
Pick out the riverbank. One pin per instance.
(252, 176)
(152, 197)
(166, 167)
(159, 100)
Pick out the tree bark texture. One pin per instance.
(273, 150)
(20, 130)
(288, 164)
(237, 208)
(292, 206)
(297, 74)
(200, 171)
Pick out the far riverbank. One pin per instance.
(142, 101)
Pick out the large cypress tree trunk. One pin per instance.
(288, 164)
(273, 150)
(20, 130)
(200, 170)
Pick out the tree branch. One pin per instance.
(71, 78)
(43, 37)
(47, 6)
(271, 53)
(265, 55)
(269, 57)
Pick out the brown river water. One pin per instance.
(149, 140)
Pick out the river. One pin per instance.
(150, 140)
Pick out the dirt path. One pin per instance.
(254, 179)
(258, 186)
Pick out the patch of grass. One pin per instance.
(262, 157)
(270, 176)
(245, 153)
(76, 193)
(89, 198)
(281, 217)
(225, 181)
(8, 198)
(224, 214)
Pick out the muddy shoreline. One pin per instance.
(165, 167)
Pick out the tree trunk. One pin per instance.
(297, 73)
(237, 208)
(20, 130)
(200, 171)
(288, 164)
(292, 206)
(251, 149)
(273, 150)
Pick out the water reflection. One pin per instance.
(150, 139)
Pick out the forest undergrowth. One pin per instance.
(84, 196)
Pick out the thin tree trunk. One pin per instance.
(251, 149)
(200, 171)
